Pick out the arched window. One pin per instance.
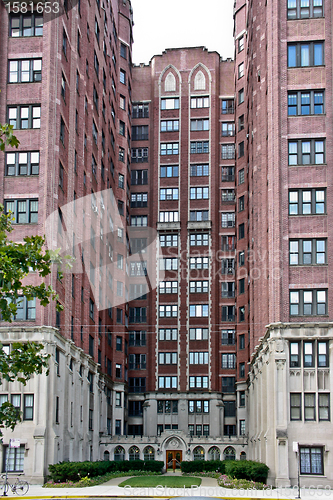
(199, 81)
(149, 453)
(199, 453)
(242, 455)
(229, 453)
(170, 83)
(119, 453)
(133, 453)
(214, 453)
(106, 455)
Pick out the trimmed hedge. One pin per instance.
(203, 466)
(247, 469)
(239, 469)
(74, 471)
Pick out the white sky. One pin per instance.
(165, 24)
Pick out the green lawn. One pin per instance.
(169, 481)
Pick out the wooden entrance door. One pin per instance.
(173, 459)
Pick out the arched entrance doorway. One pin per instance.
(173, 454)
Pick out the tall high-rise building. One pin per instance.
(194, 194)
(283, 75)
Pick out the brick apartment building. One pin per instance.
(225, 164)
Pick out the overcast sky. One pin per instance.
(165, 24)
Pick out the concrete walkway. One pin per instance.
(208, 488)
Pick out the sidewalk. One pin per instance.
(208, 488)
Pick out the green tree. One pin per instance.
(7, 138)
(17, 260)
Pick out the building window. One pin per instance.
(28, 407)
(311, 460)
(169, 240)
(168, 287)
(140, 110)
(25, 70)
(241, 44)
(139, 155)
(228, 384)
(307, 201)
(169, 171)
(168, 311)
(137, 338)
(199, 193)
(137, 384)
(228, 129)
(308, 302)
(310, 102)
(241, 230)
(170, 103)
(322, 354)
(200, 102)
(240, 70)
(167, 358)
(199, 170)
(198, 333)
(306, 152)
(169, 125)
(228, 106)
(199, 382)
(139, 177)
(227, 151)
(242, 427)
(228, 337)
(227, 289)
(24, 117)
(229, 408)
(199, 147)
(241, 96)
(228, 219)
(228, 174)
(227, 266)
(200, 124)
(303, 9)
(199, 311)
(168, 264)
(169, 194)
(241, 370)
(228, 361)
(26, 163)
(15, 459)
(25, 25)
(168, 216)
(199, 239)
(198, 358)
(295, 406)
(199, 286)
(170, 148)
(137, 361)
(199, 215)
(137, 314)
(324, 406)
(228, 243)
(199, 262)
(140, 133)
(305, 54)
(306, 252)
(168, 334)
(167, 382)
(23, 211)
(309, 406)
(139, 200)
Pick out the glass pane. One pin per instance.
(318, 54)
(305, 55)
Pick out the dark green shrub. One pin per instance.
(74, 471)
(247, 469)
(202, 465)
